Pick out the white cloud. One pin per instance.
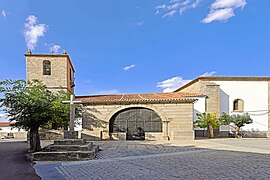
(32, 31)
(177, 6)
(219, 15)
(191, 6)
(170, 85)
(222, 10)
(171, 13)
(228, 4)
(129, 67)
(209, 73)
(54, 48)
(161, 6)
(4, 14)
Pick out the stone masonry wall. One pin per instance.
(210, 89)
(179, 115)
(193, 88)
(58, 77)
(70, 77)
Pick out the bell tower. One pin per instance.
(54, 70)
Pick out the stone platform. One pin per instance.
(67, 150)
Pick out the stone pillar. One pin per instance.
(166, 130)
(213, 101)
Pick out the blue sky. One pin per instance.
(129, 46)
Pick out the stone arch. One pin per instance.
(156, 110)
(238, 105)
(135, 122)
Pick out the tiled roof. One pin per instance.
(139, 98)
(6, 124)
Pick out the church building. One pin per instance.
(234, 95)
(158, 116)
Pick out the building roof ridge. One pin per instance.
(225, 78)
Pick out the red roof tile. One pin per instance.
(6, 124)
(151, 97)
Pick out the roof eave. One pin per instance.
(139, 102)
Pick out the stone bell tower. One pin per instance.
(54, 70)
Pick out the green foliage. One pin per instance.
(29, 104)
(32, 106)
(204, 119)
(237, 120)
(60, 112)
(207, 120)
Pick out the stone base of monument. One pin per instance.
(67, 150)
(70, 134)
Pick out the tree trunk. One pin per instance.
(210, 131)
(34, 140)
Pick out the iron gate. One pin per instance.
(135, 122)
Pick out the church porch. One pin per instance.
(157, 116)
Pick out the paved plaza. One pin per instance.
(13, 162)
(199, 159)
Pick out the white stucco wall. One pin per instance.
(199, 107)
(255, 97)
(78, 124)
(11, 129)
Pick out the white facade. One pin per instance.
(255, 97)
(199, 107)
(10, 129)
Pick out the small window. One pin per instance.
(238, 105)
(46, 67)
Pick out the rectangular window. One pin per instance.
(46, 67)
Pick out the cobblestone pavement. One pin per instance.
(141, 152)
(198, 164)
(200, 159)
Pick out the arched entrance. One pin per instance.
(135, 122)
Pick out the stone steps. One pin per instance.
(67, 150)
(53, 147)
(69, 142)
(65, 155)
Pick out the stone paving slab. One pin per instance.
(200, 164)
(141, 152)
(200, 159)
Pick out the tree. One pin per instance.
(30, 105)
(207, 120)
(237, 120)
(60, 112)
